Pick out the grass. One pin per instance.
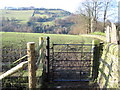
(44, 15)
(15, 39)
(98, 33)
(22, 15)
(55, 11)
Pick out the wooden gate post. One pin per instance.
(40, 42)
(96, 54)
(47, 56)
(31, 65)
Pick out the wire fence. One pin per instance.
(11, 58)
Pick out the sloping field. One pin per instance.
(15, 43)
(22, 15)
(15, 39)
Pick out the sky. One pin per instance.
(117, 0)
(69, 5)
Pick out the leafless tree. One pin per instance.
(106, 5)
(91, 9)
(94, 9)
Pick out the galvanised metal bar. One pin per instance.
(73, 66)
(53, 69)
(71, 80)
(73, 60)
(75, 44)
(73, 52)
(68, 65)
(70, 70)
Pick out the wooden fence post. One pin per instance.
(31, 65)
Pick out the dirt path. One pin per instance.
(72, 86)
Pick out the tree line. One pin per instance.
(92, 16)
(35, 25)
(96, 10)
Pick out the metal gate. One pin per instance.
(71, 62)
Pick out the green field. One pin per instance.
(22, 15)
(15, 39)
(38, 15)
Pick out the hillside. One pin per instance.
(52, 21)
(24, 15)
(36, 21)
(20, 15)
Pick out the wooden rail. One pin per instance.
(31, 63)
(14, 70)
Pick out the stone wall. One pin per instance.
(108, 76)
(112, 34)
(109, 63)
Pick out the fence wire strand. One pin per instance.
(14, 61)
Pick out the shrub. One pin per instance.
(98, 33)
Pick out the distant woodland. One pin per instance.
(56, 21)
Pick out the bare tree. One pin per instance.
(88, 13)
(94, 9)
(91, 9)
(106, 5)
